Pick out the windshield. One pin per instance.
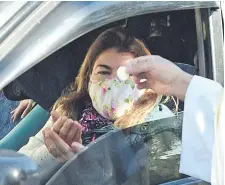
(148, 153)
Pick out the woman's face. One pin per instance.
(107, 64)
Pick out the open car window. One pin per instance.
(148, 153)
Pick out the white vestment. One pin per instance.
(199, 157)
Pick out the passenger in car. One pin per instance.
(96, 100)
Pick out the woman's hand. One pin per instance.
(58, 147)
(64, 138)
(24, 107)
(160, 75)
(66, 128)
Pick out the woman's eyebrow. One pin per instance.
(105, 66)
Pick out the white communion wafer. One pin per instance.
(122, 73)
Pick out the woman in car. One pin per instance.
(97, 99)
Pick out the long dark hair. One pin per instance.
(73, 102)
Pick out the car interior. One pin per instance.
(171, 35)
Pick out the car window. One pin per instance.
(148, 153)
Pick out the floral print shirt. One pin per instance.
(91, 121)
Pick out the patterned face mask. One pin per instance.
(112, 98)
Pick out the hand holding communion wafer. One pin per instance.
(159, 74)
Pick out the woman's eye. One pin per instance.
(103, 73)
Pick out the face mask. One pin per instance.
(112, 98)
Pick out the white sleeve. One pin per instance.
(217, 173)
(36, 150)
(198, 127)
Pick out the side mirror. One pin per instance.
(17, 169)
